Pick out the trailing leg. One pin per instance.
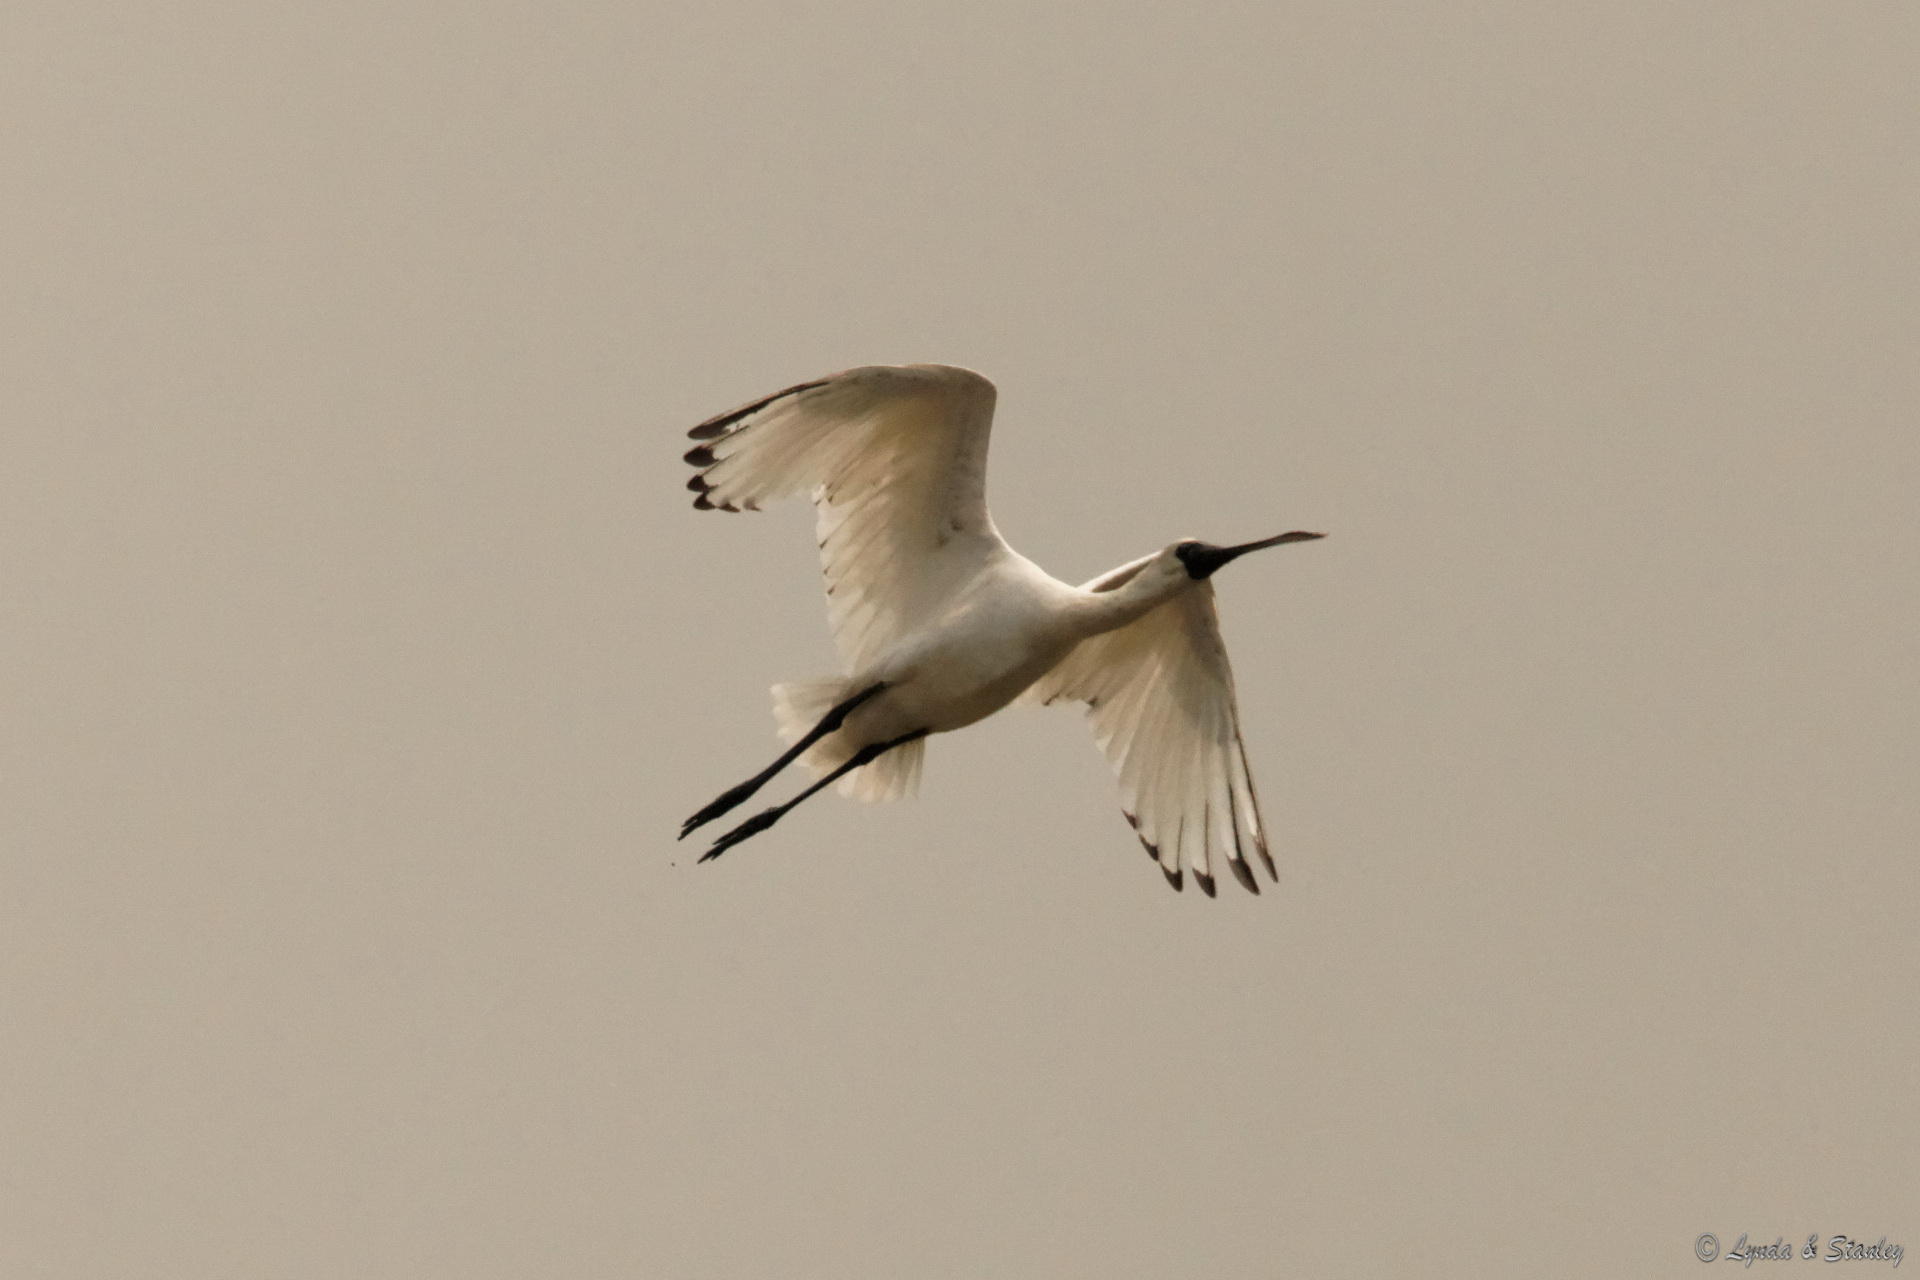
(736, 795)
(767, 817)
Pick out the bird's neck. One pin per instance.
(1119, 596)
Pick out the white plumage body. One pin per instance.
(1007, 627)
(941, 623)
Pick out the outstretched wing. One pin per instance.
(1159, 694)
(895, 460)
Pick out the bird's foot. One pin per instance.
(725, 801)
(751, 827)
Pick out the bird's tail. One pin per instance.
(800, 704)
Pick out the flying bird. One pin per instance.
(940, 623)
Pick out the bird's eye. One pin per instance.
(1185, 549)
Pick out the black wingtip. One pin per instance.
(1173, 876)
(699, 456)
(1244, 874)
(1153, 850)
(1205, 882)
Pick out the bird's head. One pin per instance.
(1199, 559)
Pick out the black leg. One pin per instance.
(736, 795)
(767, 817)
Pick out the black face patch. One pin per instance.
(1200, 558)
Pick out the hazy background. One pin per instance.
(362, 653)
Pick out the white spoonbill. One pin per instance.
(940, 623)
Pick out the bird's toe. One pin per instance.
(751, 827)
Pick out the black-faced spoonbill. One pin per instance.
(940, 623)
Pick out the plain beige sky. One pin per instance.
(362, 653)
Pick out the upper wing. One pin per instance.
(895, 458)
(1159, 694)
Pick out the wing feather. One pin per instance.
(1160, 700)
(894, 458)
